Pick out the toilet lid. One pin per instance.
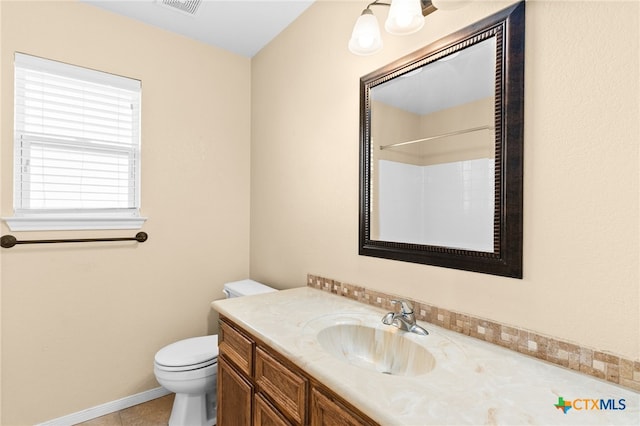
(188, 352)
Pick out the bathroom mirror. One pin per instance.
(441, 146)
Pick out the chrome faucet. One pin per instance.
(405, 319)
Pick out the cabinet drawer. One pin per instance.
(236, 347)
(265, 415)
(286, 389)
(326, 411)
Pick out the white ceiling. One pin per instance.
(246, 26)
(240, 26)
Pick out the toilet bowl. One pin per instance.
(189, 368)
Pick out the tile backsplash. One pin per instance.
(602, 365)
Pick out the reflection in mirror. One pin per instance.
(432, 136)
(441, 134)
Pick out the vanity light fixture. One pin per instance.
(405, 17)
(365, 38)
(449, 4)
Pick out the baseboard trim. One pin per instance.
(107, 408)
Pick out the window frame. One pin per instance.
(71, 218)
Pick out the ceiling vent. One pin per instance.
(189, 7)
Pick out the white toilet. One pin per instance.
(189, 368)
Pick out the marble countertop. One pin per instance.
(473, 382)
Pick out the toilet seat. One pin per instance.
(163, 375)
(186, 367)
(188, 354)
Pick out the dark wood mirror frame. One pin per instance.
(508, 26)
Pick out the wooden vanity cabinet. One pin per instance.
(237, 348)
(259, 387)
(234, 406)
(285, 387)
(328, 412)
(265, 414)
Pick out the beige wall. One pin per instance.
(581, 191)
(81, 323)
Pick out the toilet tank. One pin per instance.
(245, 288)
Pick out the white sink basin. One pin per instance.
(378, 349)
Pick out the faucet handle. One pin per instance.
(405, 306)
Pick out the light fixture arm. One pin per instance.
(378, 3)
(426, 4)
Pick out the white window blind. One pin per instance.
(77, 141)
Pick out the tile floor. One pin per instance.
(153, 413)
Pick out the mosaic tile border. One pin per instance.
(602, 365)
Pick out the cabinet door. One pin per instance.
(283, 386)
(326, 412)
(235, 395)
(265, 415)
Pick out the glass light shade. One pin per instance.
(449, 4)
(405, 17)
(365, 38)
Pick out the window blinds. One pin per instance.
(77, 139)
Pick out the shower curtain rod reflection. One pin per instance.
(444, 135)
(8, 241)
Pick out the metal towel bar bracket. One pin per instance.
(8, 241)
